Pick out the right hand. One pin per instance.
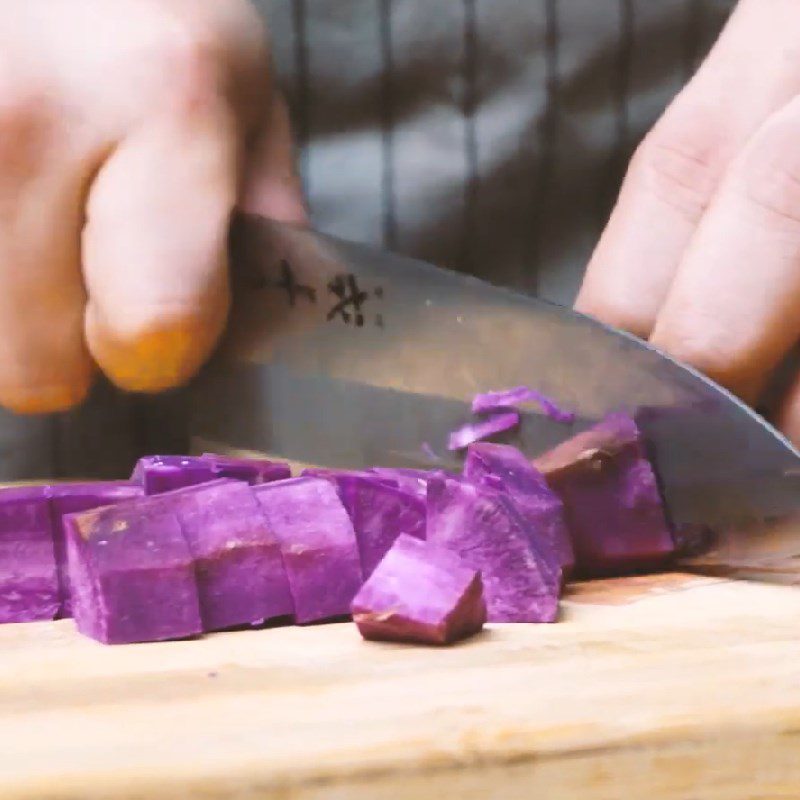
(129, 131)
(702, 253)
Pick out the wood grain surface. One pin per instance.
(670, 687)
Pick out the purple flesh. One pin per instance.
(506, 468)
(613, 506)
(475, 431)
(380, 514)
(420, 593)
(345, 481)
(240, 575)
(28, 574)
(132, 574)
(318, 544)
(159, 474)
(379, 509)
(484, 528)
(70, 498)
(513, 398)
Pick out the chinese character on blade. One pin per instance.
(351, 299)
(293, 289)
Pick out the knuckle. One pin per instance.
(769, 177)
(682, 159)
(682, 171)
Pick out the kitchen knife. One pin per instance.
(342, 355)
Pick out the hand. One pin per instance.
(702, 252)
(129, 130)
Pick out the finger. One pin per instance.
(44, 365)
(154, 247)
(271, 184)
(752, 71)
(732, 310)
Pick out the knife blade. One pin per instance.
(343, 355)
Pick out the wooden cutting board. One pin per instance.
(667, 687)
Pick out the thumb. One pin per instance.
(155, 248)
(272, 187)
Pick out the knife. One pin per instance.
(342, 355)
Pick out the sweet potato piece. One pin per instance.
(241, 579)
(159, 474)
(489, 402)
(506, 468)
(132, 574)
(611, 498)
(379, 509)
(483, 526)
(318, 544)
(28, 574)
(420, 592)
(69, 498)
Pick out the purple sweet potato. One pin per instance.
(159, 474)
(240, 575)
(69, 498)
(318, 544)
(420, 593)
(506, 468)
(476, 431)
(131, 573)
(513, 398)
(346, 481)
(611, 498)
(484, 527)
(379, 509)
(28, 575)
(380, 514)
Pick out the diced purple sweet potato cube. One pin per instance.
(69, 498)
(318, 544)
(379, 509)
(132, 575)
(252, 470)
(483, 526)
(420, 593)
(345, 481)
(505, 467)
(240, 574)
(380, 514)
(613, 506)
(28, 575)
(157, 474)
